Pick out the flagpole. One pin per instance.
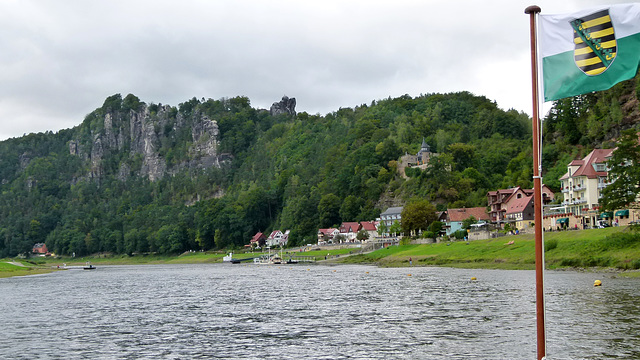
(537, 188)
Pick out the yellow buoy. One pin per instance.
(408, 274)
(597, 283)
(334, 271)
(473, 278)
(367, 272)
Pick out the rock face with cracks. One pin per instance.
(285, 106)
(136, 137)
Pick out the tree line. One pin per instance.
(299, 173)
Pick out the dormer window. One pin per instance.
(600, 167)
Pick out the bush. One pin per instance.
(593, 261)
(570, 262)
(460, 234)
(550, 244)
(428, 235)
(618, 241)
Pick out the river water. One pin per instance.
(225, 311)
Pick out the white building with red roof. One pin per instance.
(583, 183)
(326, 235)
(278, 238)
(350, 230)
(371, 227)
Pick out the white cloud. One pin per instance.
(61, 59)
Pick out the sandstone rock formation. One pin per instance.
(285, 106)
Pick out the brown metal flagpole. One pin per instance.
(537, 188)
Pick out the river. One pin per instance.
(225, 311)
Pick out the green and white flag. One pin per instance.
(590, 50)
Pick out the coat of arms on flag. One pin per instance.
(595, 42)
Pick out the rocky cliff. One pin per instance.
(285, 106)
(143, 139)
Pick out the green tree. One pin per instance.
(463, 155)
(362, 235)
(383, 228)
(387, 150)
(395, 228)
(329, 210)
(624, 171)
(466, 223)
(436, 227)
(417, 216)
(351, 208)
(35, 234)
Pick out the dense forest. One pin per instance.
(136, 177)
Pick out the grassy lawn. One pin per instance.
(582, 248)
(9, 270)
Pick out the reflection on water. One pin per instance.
(295, 312)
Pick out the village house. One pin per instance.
(455, 217)
(40, 248)
(350, 230)
(371, 229)
(277, 238)
(325, 236)
(581, 188)
(520, 213)
(391, 215)
(498, 201)
(258, 240)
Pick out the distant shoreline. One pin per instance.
(598, 250)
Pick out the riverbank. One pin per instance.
(17, 268)
(611, 248)
(597, 249)
(41, 265)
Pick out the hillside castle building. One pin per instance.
(419, 160)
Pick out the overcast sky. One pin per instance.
(60, 59)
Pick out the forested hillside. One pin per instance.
(207, 174)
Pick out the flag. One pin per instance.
(589, 50)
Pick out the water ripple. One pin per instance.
(227, 311)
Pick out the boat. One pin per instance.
(228, 258)
(89, 266)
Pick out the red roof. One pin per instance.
(257, 237)
(368, 225)
(327, 231)
(597, 156)
(458, 215)
(349, 227)
(519, 205)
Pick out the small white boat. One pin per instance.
(228, 258)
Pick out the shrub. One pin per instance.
(570, 262)
(550, 244)
(619, 240)
(428, 235)
(460, 234)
